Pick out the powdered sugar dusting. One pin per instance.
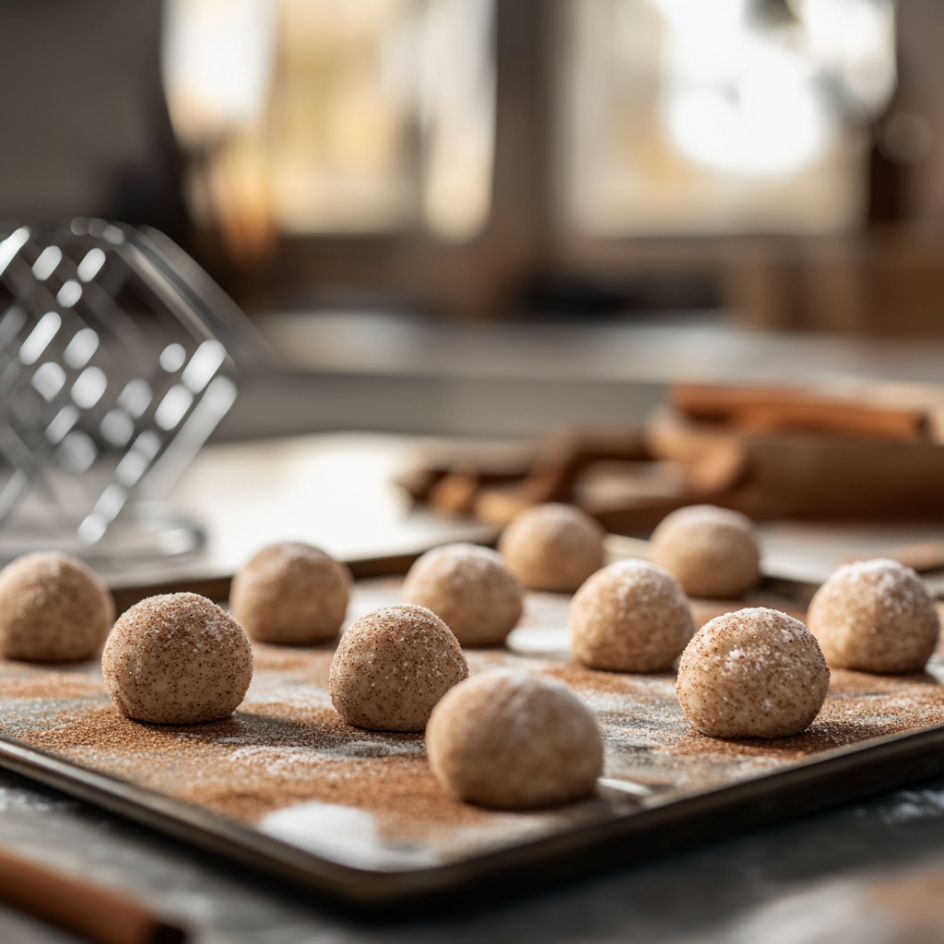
(875, 615)
(754, 672)
(467, 557)
(642, 582)
(711, 514)
(897, 588)
(768, 638)
(344, 835)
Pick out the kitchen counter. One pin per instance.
(866, 872)
(870, 872)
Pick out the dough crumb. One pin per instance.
(52, 609)
(752, 673)
(552, 547)
(392, 667)
(630, 617)
(875, 616)
(711, 552)
(470, 588)
(177, 659)
(291, 594)
(509, 740)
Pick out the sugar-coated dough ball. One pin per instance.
(470, 589)
(52, 609)
(392, 666)
(508, 740)
(711, 552)
(177, 659)
(630, 617)
(552, 547)
(875, 616)
(752, 673)
(291, 593)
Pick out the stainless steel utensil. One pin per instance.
(118, 358)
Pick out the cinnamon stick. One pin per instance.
(92, 911)
(776, 409)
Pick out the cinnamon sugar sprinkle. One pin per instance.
(287, 749)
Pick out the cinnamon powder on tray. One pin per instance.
(820, 736)
(313, 663)
(846, 718)
(264, 758)
(286, 745)
(53, 685)
(643, 687)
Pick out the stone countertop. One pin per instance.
(868, 872)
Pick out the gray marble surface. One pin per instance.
(869, 872)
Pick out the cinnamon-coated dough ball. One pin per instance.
(177, 659)
(470, 588)
(392, 666)
(291, 593)
(52, 609)
(875, 616)
(552, 547)
(752, 673)
(711, 552)
(630, 617)
(513, 741)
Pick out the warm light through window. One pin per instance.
(689, 117)
(313, 116)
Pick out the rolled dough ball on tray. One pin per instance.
(392, 666)
(508, 740)
(52, 609)
(630, 617)
(292, 594)
(470, 589)
(177, 659)
(752, 673)
(552, 547)
(711, 552)
(875, 616)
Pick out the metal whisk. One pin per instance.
(118, 358)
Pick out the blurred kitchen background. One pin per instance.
(497, 217)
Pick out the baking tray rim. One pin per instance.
(847, 772)
(843, 774)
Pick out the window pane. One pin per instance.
(683, 117)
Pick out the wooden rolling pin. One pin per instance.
(96, 913)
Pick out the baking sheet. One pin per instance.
(286, 786)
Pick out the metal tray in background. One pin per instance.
(664, 786)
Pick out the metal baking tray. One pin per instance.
(664, 787)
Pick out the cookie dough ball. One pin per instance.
(52, 609)
(552, 547)
(513, 741)
(630, 617)
(875, 616)
(752, 673)
(711, 552)
(392, 666)
(291, 593)
(177, 659)
(470, 588)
